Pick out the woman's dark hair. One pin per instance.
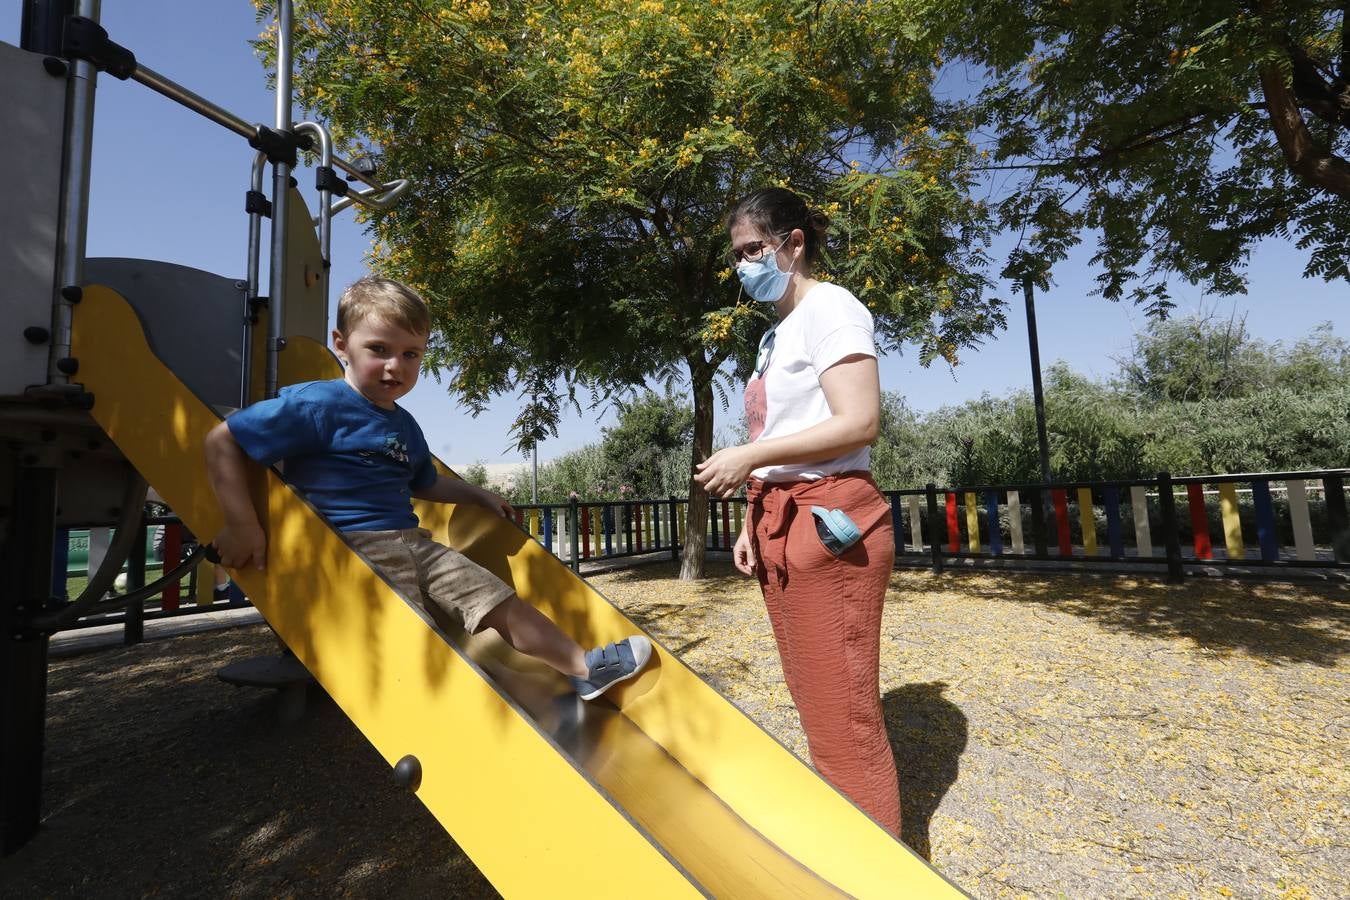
(777, 211)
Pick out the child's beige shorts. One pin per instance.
(432, 574)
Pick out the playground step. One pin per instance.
(100, 637)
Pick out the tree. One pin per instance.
(652, 432)
(1181, 131)
(1196, 358)
(575, 158)
(476, 474)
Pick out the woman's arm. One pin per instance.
(455, 490)
(852, 388)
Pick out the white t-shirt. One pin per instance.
(784, 395)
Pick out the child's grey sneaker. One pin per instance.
(611, 664)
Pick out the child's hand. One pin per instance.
(497, 504)
(239, 545)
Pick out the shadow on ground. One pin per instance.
(928, 735)
(1280, 622)
(171, 783)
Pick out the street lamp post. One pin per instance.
(1037, 394)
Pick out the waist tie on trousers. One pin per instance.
(773, 504)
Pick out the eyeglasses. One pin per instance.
(752, 252)
(765, 351)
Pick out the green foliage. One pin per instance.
(476, 474)
(574, 159)
(645, 455)
(1200, 358)
(1197, 397)
(1153, 125)
(650, 443)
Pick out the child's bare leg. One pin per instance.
(531, 632)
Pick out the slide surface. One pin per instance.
(667, 791)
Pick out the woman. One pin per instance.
(813, 405)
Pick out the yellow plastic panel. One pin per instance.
(1232, 523)
(526, 816)
(972, 522)
(1087, 518)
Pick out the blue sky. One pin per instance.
(169, 185)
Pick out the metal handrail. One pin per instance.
(382, 198)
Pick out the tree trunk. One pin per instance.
(696, 520)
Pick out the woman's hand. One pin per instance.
(743, 554)
(723, 473)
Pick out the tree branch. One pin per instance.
(1314, 164)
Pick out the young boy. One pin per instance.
(360, 459)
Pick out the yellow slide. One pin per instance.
(673, 793)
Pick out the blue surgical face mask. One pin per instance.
(762, 279)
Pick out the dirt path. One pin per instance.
(1074, 735)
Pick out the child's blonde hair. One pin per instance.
(385, 299)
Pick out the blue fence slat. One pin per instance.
(995, 534)
(547, 516)
(1113, 536)
(1266, 535)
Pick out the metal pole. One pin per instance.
(281, 184)
(197, 103)
(251, 287)
(534, 477)
(325, 198)
(192, 100)
(79, 144)
(28, 559)
(1037, 394)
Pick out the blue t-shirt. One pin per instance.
(356, 462)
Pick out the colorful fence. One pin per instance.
(583, 532)
(79, 551)
(1277, 519)
(1273, 519)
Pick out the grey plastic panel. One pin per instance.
(306, 310)
(32, 119)
(194, 320)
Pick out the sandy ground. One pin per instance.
(1056, 735)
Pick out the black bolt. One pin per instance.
(36, 334)
(68, 365)
(56, 68)
(73, 293)
(408, 773)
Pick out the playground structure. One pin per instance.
(114, 372)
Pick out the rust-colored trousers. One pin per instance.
(826, 615)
